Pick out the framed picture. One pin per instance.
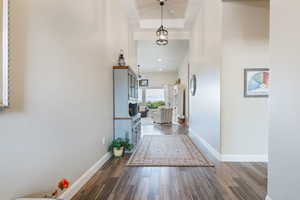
(256, 82)
(193, 85)
(144, 83)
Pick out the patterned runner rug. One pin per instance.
(168, 150)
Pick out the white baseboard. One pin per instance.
(268, 197)
(211, 149)
(77, 185)
(228, 157)
(243, 158)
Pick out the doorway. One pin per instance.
(164, 97)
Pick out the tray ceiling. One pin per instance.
(153, 58)
(150, 9)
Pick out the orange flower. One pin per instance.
(63, 184)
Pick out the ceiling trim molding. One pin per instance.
(185, 23)
(132, 12)
(150, 35)
(155, 23)
(192, 10)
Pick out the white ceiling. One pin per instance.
(150, 9)
(178, 14)
(154, 58)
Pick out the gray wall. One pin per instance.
(183, 74)
(244, 121)
(284, 148)
(61, 91)
(205, 63)
(1, 35)
(227, 37)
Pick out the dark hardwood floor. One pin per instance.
(226, 181)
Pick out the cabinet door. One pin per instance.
(129, 85)
(139, 132)
(134, 137)
(132, 86)
(136, 89)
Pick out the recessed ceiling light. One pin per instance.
(159, 59)
(160, 69)
(171, 11)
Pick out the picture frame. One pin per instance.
(256, 82)
(144, 83)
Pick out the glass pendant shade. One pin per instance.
(162, 35)
(162, 32)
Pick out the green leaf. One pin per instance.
(118, 143)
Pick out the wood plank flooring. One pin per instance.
(226, 181)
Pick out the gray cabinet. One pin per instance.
(127, 120)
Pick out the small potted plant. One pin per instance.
(119, 145)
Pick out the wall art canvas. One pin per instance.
(256, 82)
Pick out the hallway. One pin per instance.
(226, 181)
(76, 78)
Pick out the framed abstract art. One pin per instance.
(256, 82)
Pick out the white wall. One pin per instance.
(119, 36)
(159, 79)
(245, 45)
(227, 37)
(183, 71)
(61, 91)
(1, 35)
(183, 74)
(205, 63)
(284, 148)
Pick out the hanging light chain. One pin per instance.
(162, 13)
(162, 32)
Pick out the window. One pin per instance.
(153, 95)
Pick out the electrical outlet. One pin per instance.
(103, 140)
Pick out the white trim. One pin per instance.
(77, 185)
(268, 197)
(155, 23)
(192, 10)
(4, 68)
(211, 149)
(229, 157)
(173, 35)
(244, 158)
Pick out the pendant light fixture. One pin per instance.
(162, 32)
